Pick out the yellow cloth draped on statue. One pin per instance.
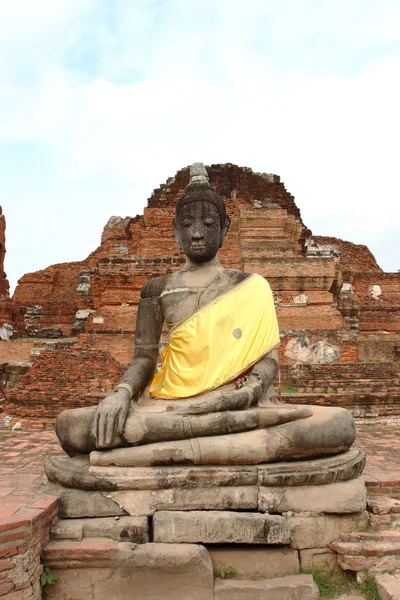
(219, 342)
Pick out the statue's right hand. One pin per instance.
(110, 417)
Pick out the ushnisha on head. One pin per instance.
(201, 222)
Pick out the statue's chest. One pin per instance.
(180, 303)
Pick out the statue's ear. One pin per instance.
(225, 227)
(176, 234)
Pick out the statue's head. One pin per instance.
(201, 222)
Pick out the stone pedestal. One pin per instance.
(201, 532)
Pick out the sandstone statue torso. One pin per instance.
(182, 293)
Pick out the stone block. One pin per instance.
(300, 587)
(340, 497)
(214, 527)
(154, 478)
(124, 529)
(258, 562)
(319, 471)
(321, 559)
(67, 529)
(153, 571)
(146, 502)
(388, 586)
(76, 504)
(120, 529)
(319, 531)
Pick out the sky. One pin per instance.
(103, 100)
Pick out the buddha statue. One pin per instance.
(212, 402)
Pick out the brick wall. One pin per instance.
(66, 377)
(5, 302)
(22, 540)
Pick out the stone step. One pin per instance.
(383, 505)
(300, 587)
(388, 586)
(120, 529)
(373, 551)
(382, 522)
(220, 527)
(106, 570)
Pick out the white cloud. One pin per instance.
(203, 90)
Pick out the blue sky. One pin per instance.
(102, 100)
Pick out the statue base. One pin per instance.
(177, 531)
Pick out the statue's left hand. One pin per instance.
(256, 386)
(110, 417)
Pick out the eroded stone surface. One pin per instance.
(319, 471)
(320, 559)
(319, 531)
(121, 529)
(118, 570)
(146, 502)
(213, 527)
(71, 472)
(340, 497)
(254, 562)
(300, 587)
(76, 504)
(153, 478)
(388, 586)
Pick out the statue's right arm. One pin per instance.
(113, 410)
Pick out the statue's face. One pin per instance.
(198, 230)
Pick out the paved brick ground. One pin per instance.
(381, 443)
(21, 468)
(22, 454)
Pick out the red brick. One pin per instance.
(6, 587)
(6, 564)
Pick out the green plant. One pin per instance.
(47, 578)
(289, 390)
(332, 584)
(369, 588)
(226, 571)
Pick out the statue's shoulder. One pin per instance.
(154, 287)
(237, 276)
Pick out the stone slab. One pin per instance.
(319, 559)
(249, 562)
(77, 472)
(146, 502)
(121, 529)
(213, 527)
(299, 587)
(76, 504)
(153, 571)
(319, 471)
(340, 497)
(388, 586)
(319, 531)
(154, 478)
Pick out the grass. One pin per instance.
(4, 433)
(289, 390)
(332, 585)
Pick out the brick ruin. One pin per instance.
(5, 301)
(339, 313)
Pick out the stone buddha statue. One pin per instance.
(212, 402)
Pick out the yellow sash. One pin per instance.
(219, 342)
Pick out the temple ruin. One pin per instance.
(71, 325)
